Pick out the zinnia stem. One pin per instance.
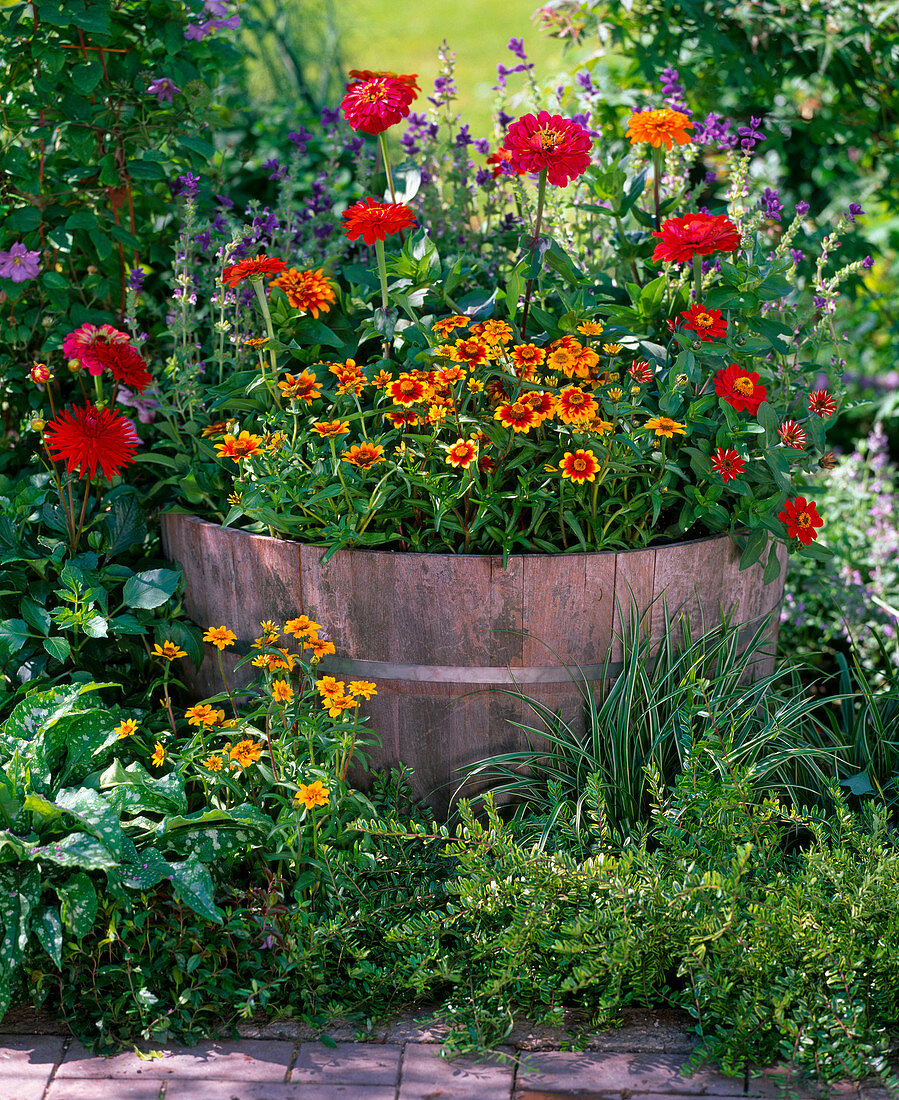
(658, 162)
(382, 137)
(80, 527)
(270, 332)
(382, 275)
(538, 221)
(225, 682)
(697, 276)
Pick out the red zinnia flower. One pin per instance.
(801, 518)
(501, 162)
(579, 466)
(683, 238)
(124, 362)
(791, 435)
(558, 144)
(822, 403)
(89, 437)
(708, 324)
(376, 104)
(260, 267)
(727, 463)
(740, 388)
(375, 221)
(78, 344)
(359, 76)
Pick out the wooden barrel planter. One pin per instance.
(439, 633)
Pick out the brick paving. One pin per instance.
(400, 1062)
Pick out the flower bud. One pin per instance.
(38, 424)
(696, 345)
(681, 380)
(828, 461)
(74, 365)
(40, 374)
(740, 340)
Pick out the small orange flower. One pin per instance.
(492, 331)
(320, 648)
(659, 128)
(126, 728)
(245, 445)
(204, 715)
(612, 349)
(246, 752)
(158, 757)
(282, 692)
(564, 360)
(665, 426)
(405, 418)
(301, 627)
(406, 390)
(335, 705)
(382, 380)
(517, 415)
(218, 428)
(168, 651)
(327, 429)
(311, 795)
(364, 455)
(473, 351)
(365, 689)
(579, 466)
(574, 406)
(307, 291)
(260, 267)
(213, 763)
(527, 357)
(328, 686)
(543, 404)
(444, 327)
(450, 375)
(220, 636)
(461, 454)
(590, 328)
(305, 387)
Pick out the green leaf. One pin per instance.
(755, 547)
(95, 815)
(192, 883)
(150, 870)
(48, 929)
(14, 633)
(132, 790)
(75, 850)
(145, 170)
(773, 568)
(81, 219)
(152, 588)
(35, 615)
(778, 465)
(125, 525)
(79, 904)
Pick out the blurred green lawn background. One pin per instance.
(403, 36)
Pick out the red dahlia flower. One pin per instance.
(89, 437)
(695, 234)
(801, 518)
(376, 104)
(708, 324)
(375, 221)
(728, 464)
(740, 388)
(260, 267)
(558, 144)
(124, 362)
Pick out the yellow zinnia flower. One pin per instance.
(665, 426)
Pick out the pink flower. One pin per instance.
(560, 145)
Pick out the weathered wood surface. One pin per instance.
(458, 611)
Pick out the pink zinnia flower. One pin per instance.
(78, 344)
(560, 145)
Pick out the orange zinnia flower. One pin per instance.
(461, 454)
(307, 291)
(220, 636)
(245, 445)
(328, 428)
(658, 128)
(204, 715)
(579, 466)
(260, 267)
(302, 388)
(282, 692)
(518, 416)
(528, 356)
(472, 351)
(444, 327)
(492, 331)
(573, 405)
(246, 752)
(168, 651)
(364, 455)
(328, 686)
(563, 359)
(311, 795)
(399, 419)
(126, 728)
(301, 627)
(543, 404)
(665, 426)
(363, 688)
(337, 704)
(376, 221)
